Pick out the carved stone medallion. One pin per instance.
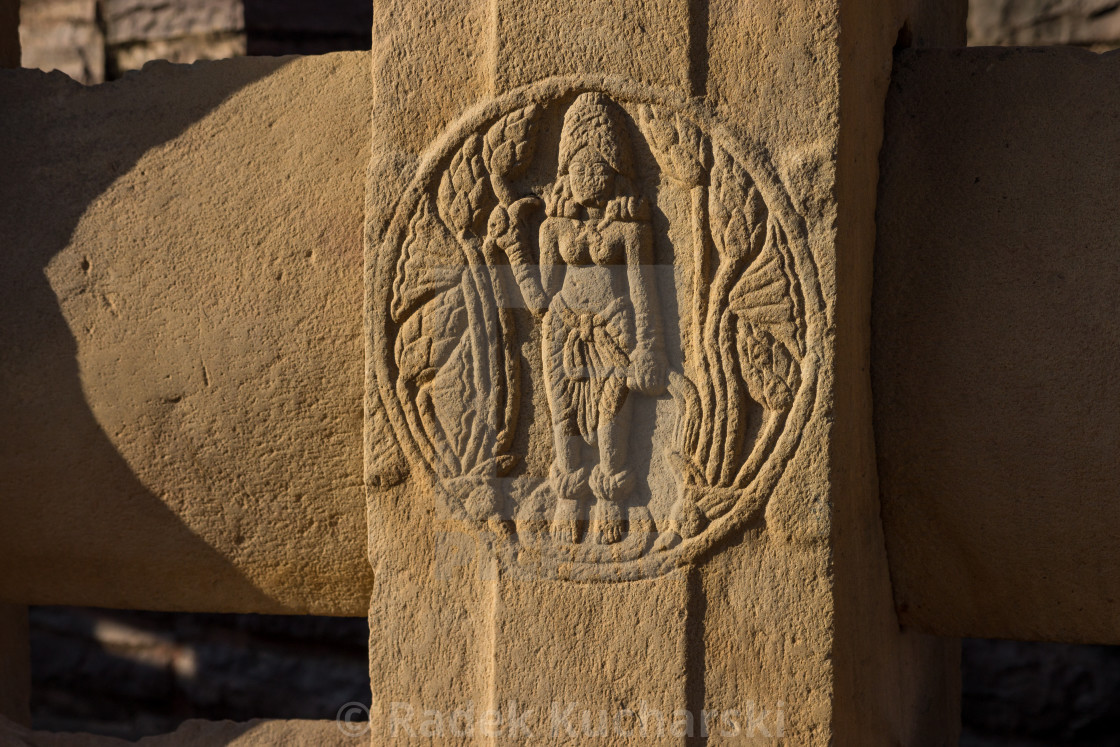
(592, 327)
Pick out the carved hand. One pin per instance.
(507, 225)
(508, 228)
(648, 371)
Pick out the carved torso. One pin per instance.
(592, 269)
(585, 242)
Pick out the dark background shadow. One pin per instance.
(304, 27)
(132, 674)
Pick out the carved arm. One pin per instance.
(648, 370)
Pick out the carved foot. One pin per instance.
(481, 504)
(565, 522)
(666, 541)
(608, 522)
(686, 518)
(499, 526)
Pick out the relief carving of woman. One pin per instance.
(602, 332)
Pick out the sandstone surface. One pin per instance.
(181, 291)
(618, 435)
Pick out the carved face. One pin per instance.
(592, 178)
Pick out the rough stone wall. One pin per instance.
(63, 35)
(97, 40)
(137, 31)
(1088, 23)
(1023, 693)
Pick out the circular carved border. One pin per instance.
(520, 557)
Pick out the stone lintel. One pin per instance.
(997, 344)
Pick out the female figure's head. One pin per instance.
(595, 159)
(591, 178)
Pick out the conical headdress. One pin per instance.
(594, 121)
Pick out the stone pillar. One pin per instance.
(15, 665)
(618, 438)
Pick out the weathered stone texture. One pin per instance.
(179, 302)
(91, 40)
(791, 606)
(136, 20)
(95, 40)
(1091, 23)
(137, 31)
(63, 35)
(997, 420)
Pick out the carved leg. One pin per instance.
(611, 481)
(569, 483)
(566, 477)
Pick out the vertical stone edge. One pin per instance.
(890, 686)
(9, 33)
(430, 612)
(15, 664)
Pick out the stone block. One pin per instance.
(147, 20)
(618, 435)
(996, 412)
(180, 296)
(63, 35)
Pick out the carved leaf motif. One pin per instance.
(465, 196)
(679, 146)
(771, 372)
(764, 297)
(769, 335)
(455, 352)
(430, 263)
(737, 211)
(452, 386)
(429, 351)
(508, 146)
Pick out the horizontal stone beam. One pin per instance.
(997, 343)
(180, 316)
(180, 390)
